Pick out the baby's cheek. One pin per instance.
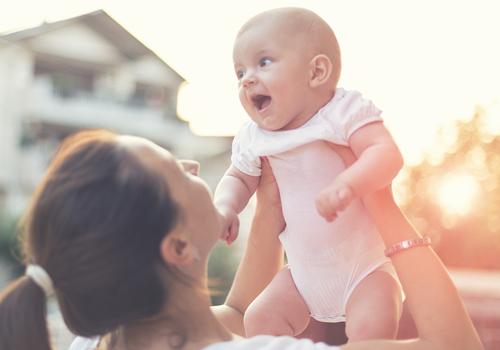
(248, 108)
(257, 121)
(243, 100)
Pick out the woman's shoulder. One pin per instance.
(267, 342)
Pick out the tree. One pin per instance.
(454, 196)
(221, 269)
(9, 247)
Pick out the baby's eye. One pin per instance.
(240, 73)
(265, 61)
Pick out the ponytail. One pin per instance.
(97, 206)
(23, 322)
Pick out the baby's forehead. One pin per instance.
(265, 40)
(291, 22)
(277, 31)
(294, 25)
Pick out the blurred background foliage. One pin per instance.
(454, 195)
(9, 247)
(221, 269)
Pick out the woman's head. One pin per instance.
(114, 219)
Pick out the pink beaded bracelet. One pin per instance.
(407, 244)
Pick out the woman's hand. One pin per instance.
(268, 198)
(263, 255)
(267, 191)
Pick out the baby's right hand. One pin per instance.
(230, 224)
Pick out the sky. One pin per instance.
(425, 63)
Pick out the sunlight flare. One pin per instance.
(457, 193)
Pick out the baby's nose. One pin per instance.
(248, 80)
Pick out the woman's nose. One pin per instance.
(191, 166)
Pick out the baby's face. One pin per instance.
(273, 77)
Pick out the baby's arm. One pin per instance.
(231, 197)
(378, 162)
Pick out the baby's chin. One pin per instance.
(269, 124)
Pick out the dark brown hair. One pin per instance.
(95, 225)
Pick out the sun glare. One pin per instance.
(457, 193)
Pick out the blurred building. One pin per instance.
(79, 73)
(85, 72)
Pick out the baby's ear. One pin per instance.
(320, 68)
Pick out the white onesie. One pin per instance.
(326, 260)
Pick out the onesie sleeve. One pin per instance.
(242, 156)
(349, 113)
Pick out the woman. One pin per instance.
(121, 232)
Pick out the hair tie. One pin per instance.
(40, 277)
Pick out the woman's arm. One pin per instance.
(263, 256)
(433, 300)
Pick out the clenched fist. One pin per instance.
(334, 199)
(230, 224)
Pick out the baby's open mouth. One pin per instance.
(261, 101)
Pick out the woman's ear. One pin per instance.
(175, 249)
(320, 70)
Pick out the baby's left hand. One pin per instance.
(334, 199)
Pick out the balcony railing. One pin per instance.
(84, 110)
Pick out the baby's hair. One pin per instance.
(307, 28)
(95, 225)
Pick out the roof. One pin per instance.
(100, 22)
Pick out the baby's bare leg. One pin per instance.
(278, 310)
(374, 308)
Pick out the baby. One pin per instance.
(287, 62)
